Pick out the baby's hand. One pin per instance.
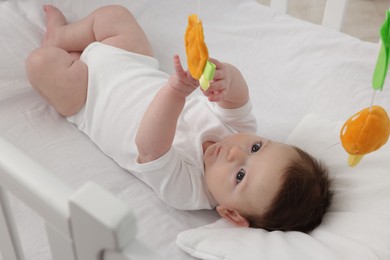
(228, 87)
(182, 80)
(219, 85)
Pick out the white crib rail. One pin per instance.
(39, 189)
(9, 240)
(333, 14)
(89, 223)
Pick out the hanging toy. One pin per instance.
(369, 129)
(199, 66)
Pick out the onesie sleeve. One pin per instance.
(239, 119)
(176, 181)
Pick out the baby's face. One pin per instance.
(243, 171)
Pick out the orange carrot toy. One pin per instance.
(197, 54)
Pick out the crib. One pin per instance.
(61, 198)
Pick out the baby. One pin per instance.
(195, 152)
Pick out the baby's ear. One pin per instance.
(233, 216)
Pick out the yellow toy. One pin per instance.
(369, 129)
(197, 54)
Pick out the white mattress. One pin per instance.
(292, 67)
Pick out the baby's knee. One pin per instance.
(41, 63)
(37, 59)
(35, 63)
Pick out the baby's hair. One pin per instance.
(303, 198)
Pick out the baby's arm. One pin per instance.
(158, 125)
(229, 88)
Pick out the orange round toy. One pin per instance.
(365, 132)
(196, 49)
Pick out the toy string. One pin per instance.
(372, 99)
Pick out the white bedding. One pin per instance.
(292, 67)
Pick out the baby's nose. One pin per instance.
(236, 153)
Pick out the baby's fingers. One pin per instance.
(216, 95)
(216, 85)
(215, 91)
(178, 67)
(219, 69)
(217, 63)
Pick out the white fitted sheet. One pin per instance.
(292, 67)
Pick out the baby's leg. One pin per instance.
(113, 25)
(54, 69)
(61, 78)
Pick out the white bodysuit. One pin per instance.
(121, 85)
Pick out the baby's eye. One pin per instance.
(256, 147)
(240, 175)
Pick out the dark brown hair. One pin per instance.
(302, 200)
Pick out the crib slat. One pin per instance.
(334, 13)
(10, 246)
(280, 5)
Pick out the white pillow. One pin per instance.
(357, 225)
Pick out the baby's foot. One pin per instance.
(54, 21)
